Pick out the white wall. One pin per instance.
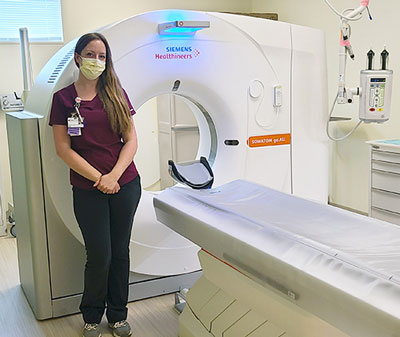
(80, 17)
(349, 158)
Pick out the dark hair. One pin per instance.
(109, 87)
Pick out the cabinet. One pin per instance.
(384, 180)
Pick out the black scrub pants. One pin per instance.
(106, 224)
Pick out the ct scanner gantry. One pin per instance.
(258, 91)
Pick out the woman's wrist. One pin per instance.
(115, 175)
(98, 177)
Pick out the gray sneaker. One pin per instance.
(91, 330)
(120, 329)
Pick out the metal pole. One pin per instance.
(26, 61)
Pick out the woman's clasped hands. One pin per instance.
(107, 183)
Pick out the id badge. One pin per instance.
(75, 126)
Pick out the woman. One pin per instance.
(95, 136)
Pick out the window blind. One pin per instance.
(41, 17)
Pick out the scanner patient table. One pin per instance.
(278, 265)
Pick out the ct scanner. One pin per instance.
(258, 91)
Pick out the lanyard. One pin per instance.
(77, 106)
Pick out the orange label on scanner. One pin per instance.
(269, 140)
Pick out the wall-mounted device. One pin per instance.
(376, 92)
(11, 102)
(375, 85)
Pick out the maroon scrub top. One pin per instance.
(98, 144)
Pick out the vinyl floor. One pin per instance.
(154, 317)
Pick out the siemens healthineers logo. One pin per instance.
(178, 53)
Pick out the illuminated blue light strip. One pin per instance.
(181, 30)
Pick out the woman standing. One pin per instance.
(95, 136)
